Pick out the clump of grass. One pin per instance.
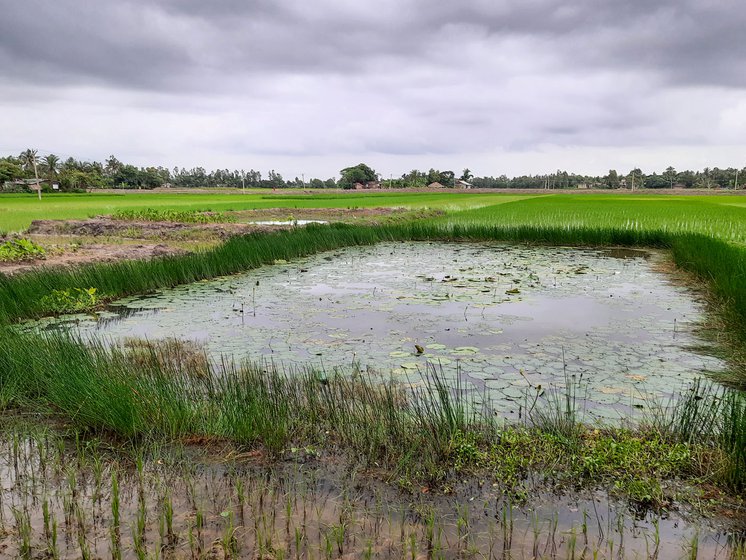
(166, 215)
(709, 413)
(169, 353)
(20, 250)
(560, 411)
(109, 390)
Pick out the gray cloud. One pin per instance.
(333, 79)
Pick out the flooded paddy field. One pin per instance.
(62, 500)
(503, 320)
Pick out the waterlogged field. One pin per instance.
(722, 216)
(505, 321)
(62, 501)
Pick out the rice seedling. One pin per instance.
(166, 215)
(23, 527)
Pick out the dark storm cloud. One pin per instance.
(181, 44)
(87, 42)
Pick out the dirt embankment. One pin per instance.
(126, 229)
(103, 239)
(96, 252)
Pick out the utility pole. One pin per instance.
(36, 174)
(303, 180)
(735, 182)
(243, 181)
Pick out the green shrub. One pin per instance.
(71, 300)
(20, 250)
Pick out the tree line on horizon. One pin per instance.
(19, 173)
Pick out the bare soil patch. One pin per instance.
(98, 252)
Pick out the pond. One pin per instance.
(504, 319)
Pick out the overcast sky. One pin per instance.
(311, 86)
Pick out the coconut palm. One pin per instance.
(51, 164)
(28, 159)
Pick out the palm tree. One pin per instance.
(29, 160)
(51, 163)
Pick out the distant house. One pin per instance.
(582, 185)
(367, 185)
(358, 186)
(461, 184)
(22, 185)
(435, 185)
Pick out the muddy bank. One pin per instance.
(99, 252)
(107, 227)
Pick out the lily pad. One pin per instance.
(410, 365)
(466, 350)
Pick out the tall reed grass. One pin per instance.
(417, 431)
(711, 414)
(113, 391)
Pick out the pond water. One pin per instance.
(503, 318)
(288, 222)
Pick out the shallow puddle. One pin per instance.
(287, 222)
(506, 319)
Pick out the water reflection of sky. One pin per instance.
(503, 315)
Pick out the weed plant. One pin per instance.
(20, 250)
(72, 300)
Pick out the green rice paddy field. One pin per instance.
(17, 211)
(723, 217)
